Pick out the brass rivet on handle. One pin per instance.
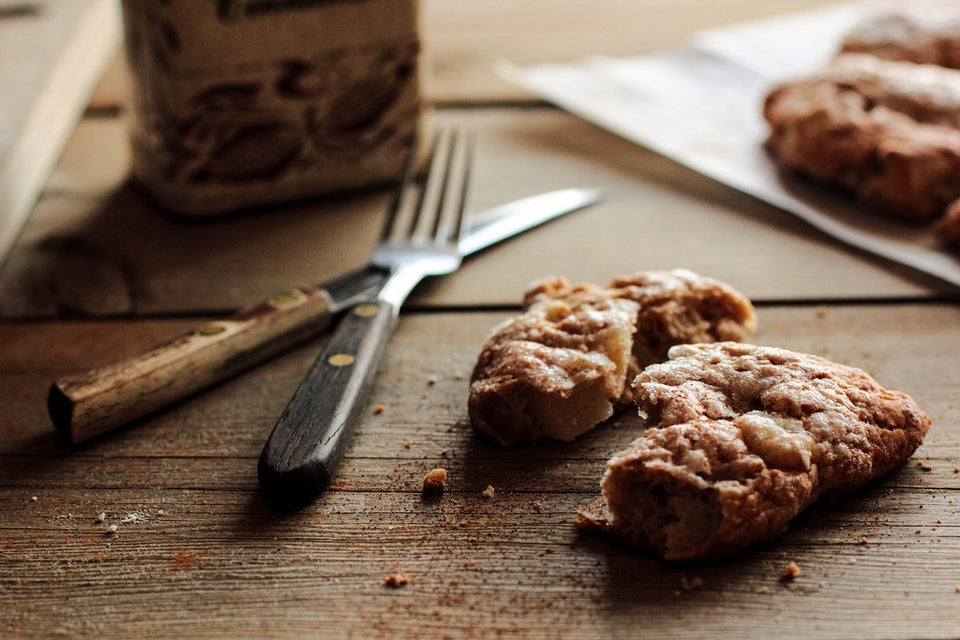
(286, 297)
(365, 310)
(211, 329)
(340, 359)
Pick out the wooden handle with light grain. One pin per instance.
(87, 405)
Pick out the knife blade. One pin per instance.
(84, 406)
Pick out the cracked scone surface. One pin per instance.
(742, 438)
(564, 365)
(887, 131)
(555, 370)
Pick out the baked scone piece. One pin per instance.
(556, 370)
(564, 365)
(889, 132)
(680, 307)
(741, 439)
(923, 32)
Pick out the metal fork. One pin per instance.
(307, 443)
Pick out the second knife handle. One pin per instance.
(308, 442)
(86, 405)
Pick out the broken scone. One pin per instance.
(741, 439)
(564, 365)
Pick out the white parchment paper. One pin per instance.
(701, 106)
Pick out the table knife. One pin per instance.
(87, 405)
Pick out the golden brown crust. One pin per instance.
(680, 307)
(922, 33)
(887, 131)
(743, 438)
(564, 365)
(554, 371)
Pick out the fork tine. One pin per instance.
(407, 180)
(451, 201)
(426, 213)
(436, 218)
(458, 196)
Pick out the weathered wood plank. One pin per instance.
(476, 566)
(218, 561)
(95, 246)
(423, 385)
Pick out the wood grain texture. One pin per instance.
(94, 246)
(219, 562)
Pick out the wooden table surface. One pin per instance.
(98, 274)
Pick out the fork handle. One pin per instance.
(308, 441)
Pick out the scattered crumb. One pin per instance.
(133, 517)
(112, 528)
(821, 311)
(792, 571)
(918, 530)
(924, 466)
(396, 580)
(160, 512)
(100, 517)
(863, 540)
(488, 492)
(956, 469)
(407, 444)
(34, 498)
(434, 482)
(956, 589)
(378, 409)
(695, 583)
(432, 380)
(763, 590)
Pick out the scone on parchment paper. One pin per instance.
(564, 365)
(920, 32)
(742, 438)
(889, 132)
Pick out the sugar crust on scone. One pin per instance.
(564, 365)
(887, 131)
(741, 439)
(554, 371)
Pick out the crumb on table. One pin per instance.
(434, 482)
(692, 584)
(488, 492)
(396, 580)
(792, 571)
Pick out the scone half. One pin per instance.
(741, 439)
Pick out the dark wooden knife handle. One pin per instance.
(308, 442)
